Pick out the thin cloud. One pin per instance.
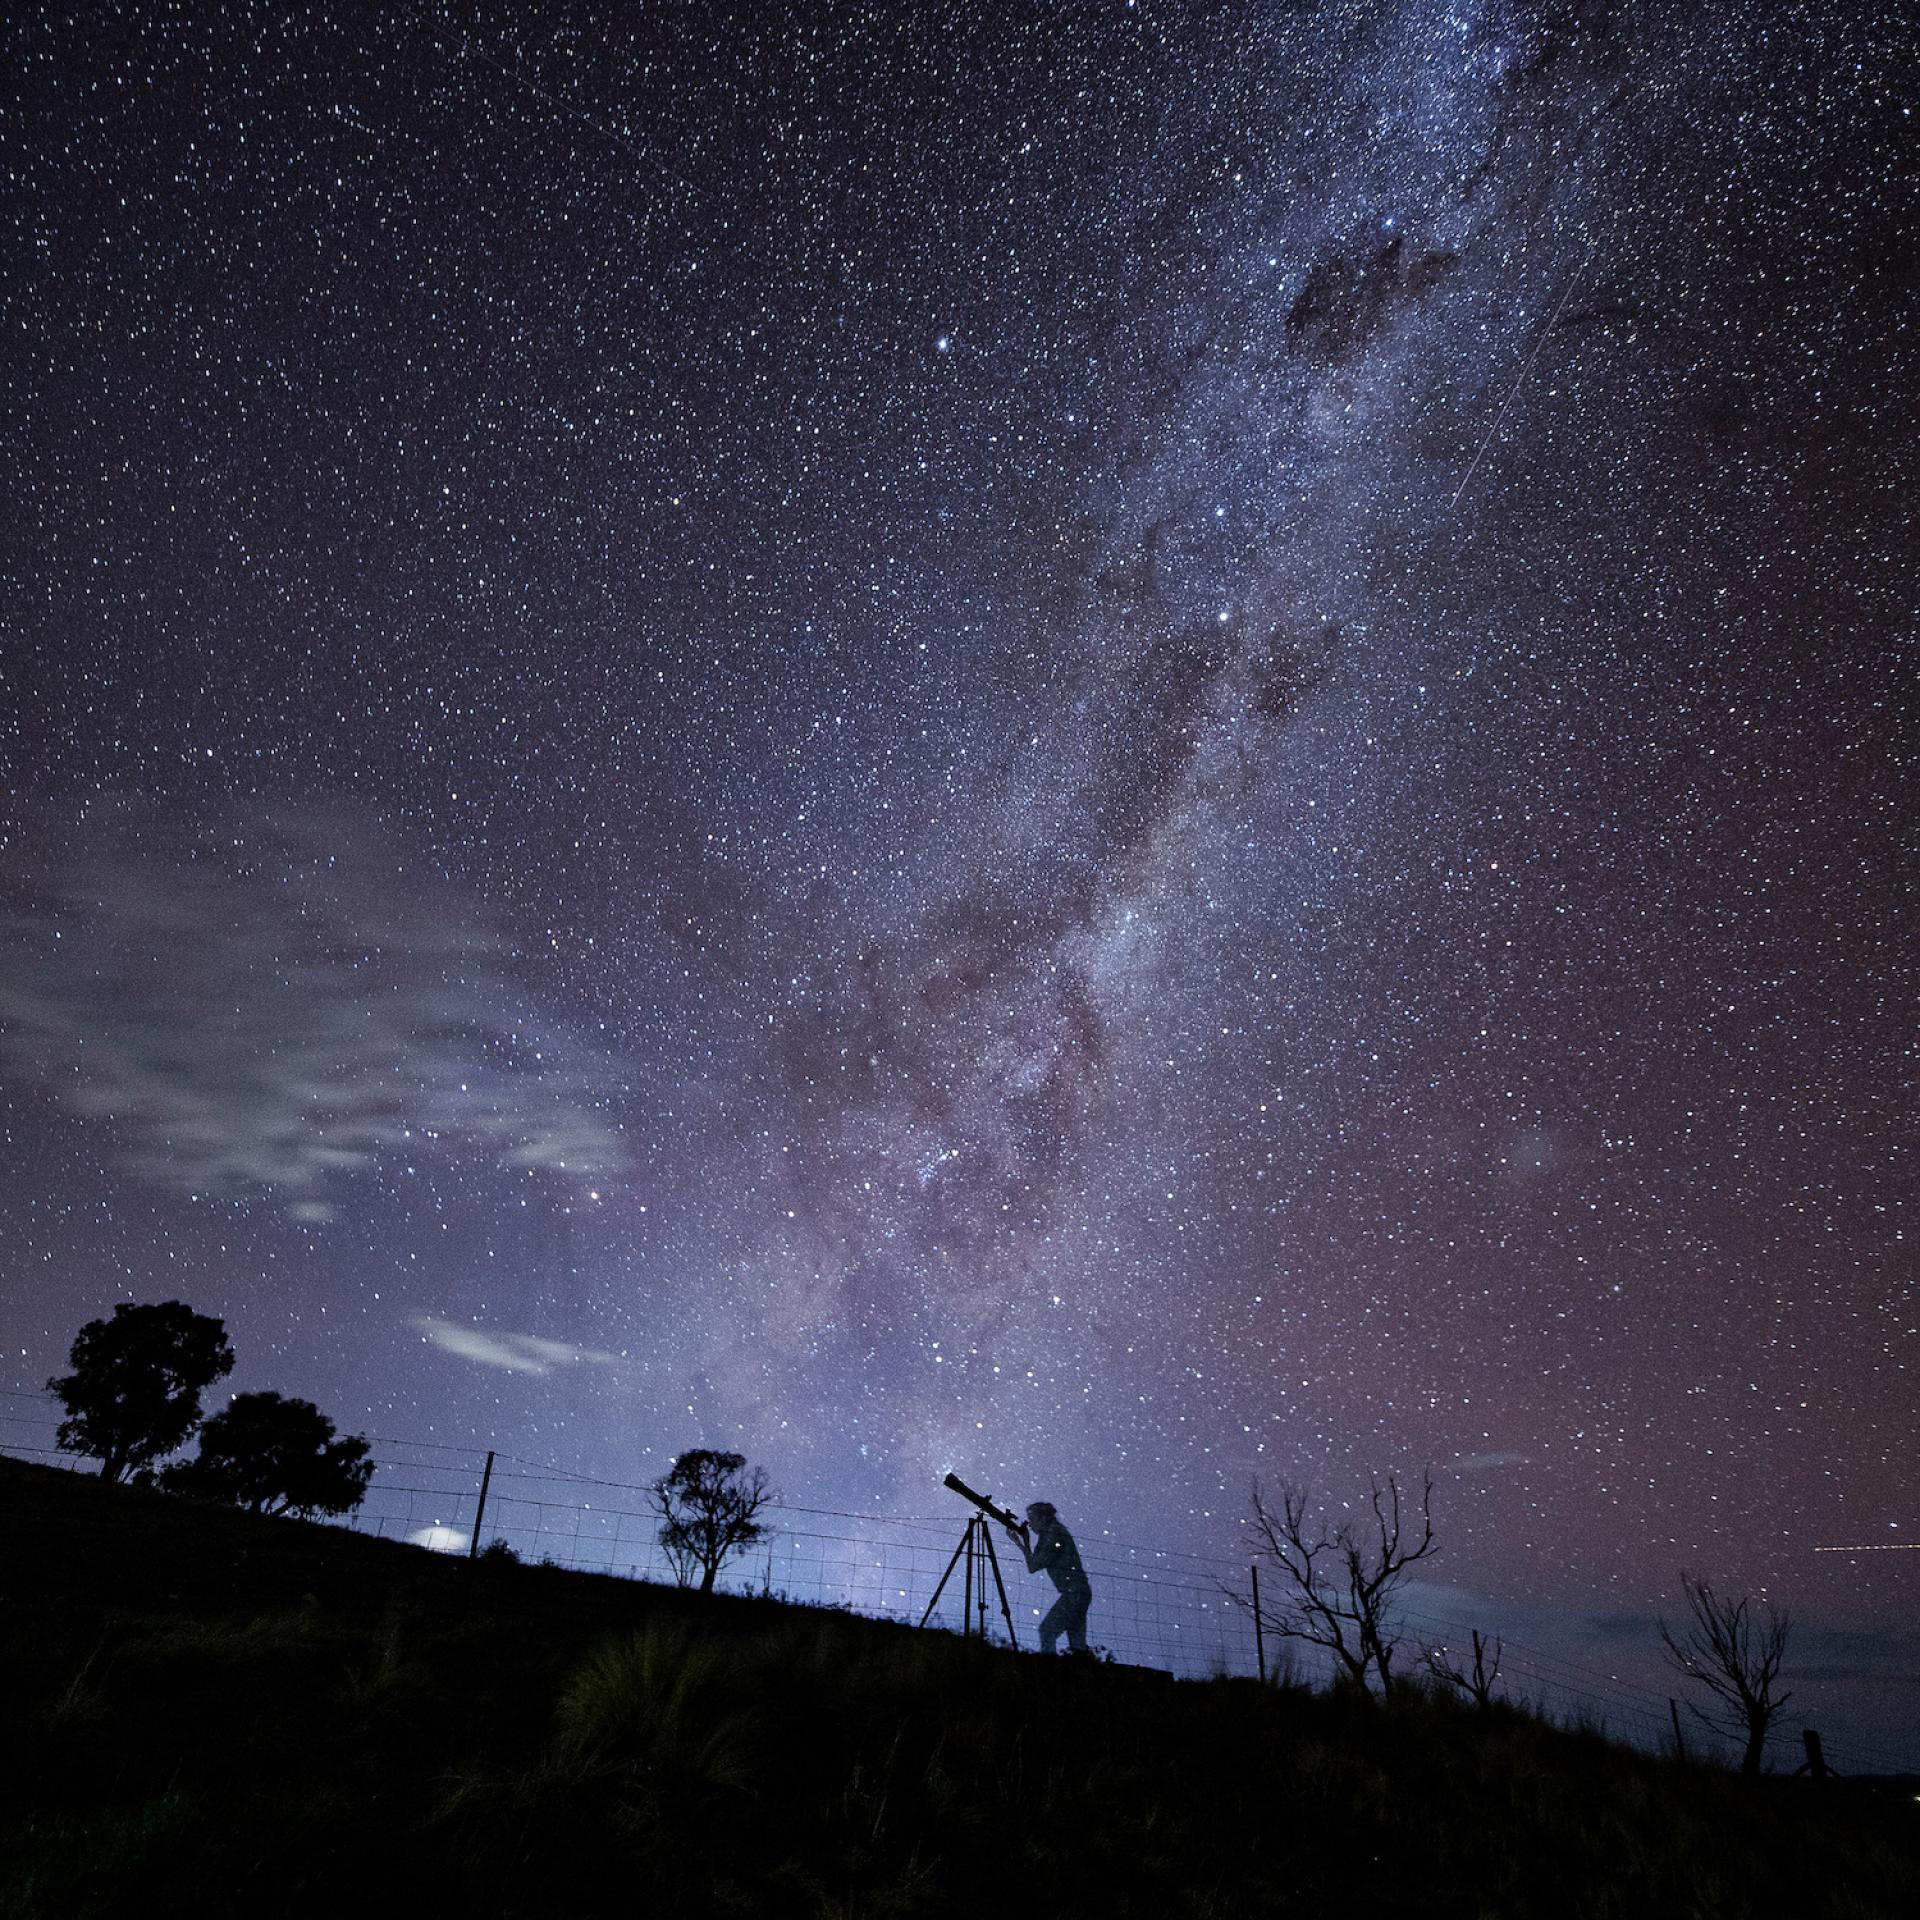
(511, 1352)
(277, 1002)
(1486, 1462)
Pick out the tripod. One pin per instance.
(976, 1543)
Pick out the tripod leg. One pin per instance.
(944, 1578)
(1006, 1612)
(966, 1610)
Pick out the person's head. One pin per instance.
(1041, 1514)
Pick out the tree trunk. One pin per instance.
(1750, 1760)
(706, 1575)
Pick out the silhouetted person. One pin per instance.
(1050, 1550)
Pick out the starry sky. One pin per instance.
(1120, 744)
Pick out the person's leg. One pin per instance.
(1058, 1616)
(1076, 1620)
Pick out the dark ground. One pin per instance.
(214, 1713)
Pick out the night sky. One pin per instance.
(1114, 744)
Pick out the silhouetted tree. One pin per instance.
(274, 1455)
(134, 1392)
(1338, 1583)
(1737, 1659)
(1477, 1681)
(708, 1505)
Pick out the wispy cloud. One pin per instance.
(1485, 1462)
(511, 1352)
(276, 1002)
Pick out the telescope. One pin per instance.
(976, 1549)
(985, 1505)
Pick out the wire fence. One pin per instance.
(1154, 1607)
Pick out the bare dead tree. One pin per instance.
(1338, 1581)
(1736, 1658)
(1476, 1682)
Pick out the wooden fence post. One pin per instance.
(1259, 1635)
(480, 1509)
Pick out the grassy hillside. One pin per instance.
(212, 1713)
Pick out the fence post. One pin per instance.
(1259, 1636)
(1679, 1744)
(480, 1509)
(1816, 1760)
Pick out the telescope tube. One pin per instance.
(985, 1505)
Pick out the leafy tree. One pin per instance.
(274, 1455)
(1338, 1582)
(1736, 1659)
(134, 1393)
(708, 1505)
